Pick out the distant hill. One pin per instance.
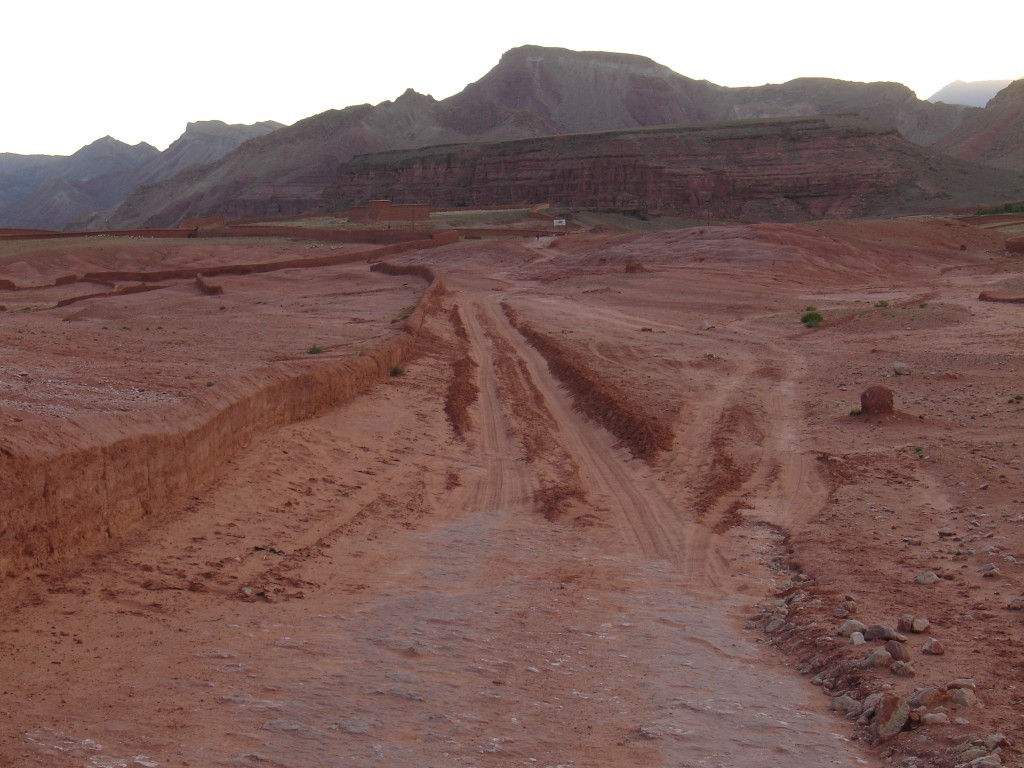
(51, 192)
(995, 135)
(532, 91)
(972, 94)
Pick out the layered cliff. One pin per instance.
(779, 170)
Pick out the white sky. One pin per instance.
(74, 71)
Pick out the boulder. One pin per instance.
(876, 399)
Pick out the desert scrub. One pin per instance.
(315, 349)
(812, 319)
(397, 370)
(882, 303)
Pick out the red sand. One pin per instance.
(367, 587)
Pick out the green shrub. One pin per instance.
(397, 370)
(882, 303)
(812, 319)
(316, 349)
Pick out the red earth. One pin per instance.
(610, 507)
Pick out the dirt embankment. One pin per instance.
(644, 435)
(67, 488)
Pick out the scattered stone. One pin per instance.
(876, 399)
(706, 326)
(935, 718)
(989, 570)
(909, 623)
(961, 682)
(891, 714)
(947, 532)
(841, 612)
(879, 657)
(857, 638)
(847, 704)
(1017, 604)
(902, 669)
(926, 577)
(896, 650)
(849, 627)
(932, 647)
(900, 368)
(987, 761)
(775, 623)
(925, 697)
(973, 752)
(996, 740)
(882, 632)
(964, 697)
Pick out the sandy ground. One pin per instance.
(368, 587)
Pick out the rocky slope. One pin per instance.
(771, 170)
(533, 91)
(994, 136)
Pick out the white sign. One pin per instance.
(559, 222)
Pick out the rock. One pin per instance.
(879, 657)
(876, 399)
(996, 740)
(891, 714)
(841, 612)
(919, 625)
(947, 532)
(932, 647)
(902, 669)
(926, 577)
(775, 623)
(925, 697)
(896, 650)
(706, 326)
(973, 752)
(934, 718)
(849, 627)
(857, 638)
(882, 632)
(1017, 604)
(964, 697)
(961, 682)
(987, 761)
(847, 704)
(989, 570)
(900, 368)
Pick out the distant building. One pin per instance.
(385, 210)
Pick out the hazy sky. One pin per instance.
(73, 72)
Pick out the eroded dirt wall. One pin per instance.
(68, 487)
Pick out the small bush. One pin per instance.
(810, 308)
(855, 412)
(397, 370)
(882, 303)
(812, 319)
(316, 349)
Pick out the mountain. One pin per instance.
(994, 136)
(532, 91)
(783, 169)
(973, 94)
(52, 193)
(49, 192)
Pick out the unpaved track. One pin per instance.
(362, 589)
